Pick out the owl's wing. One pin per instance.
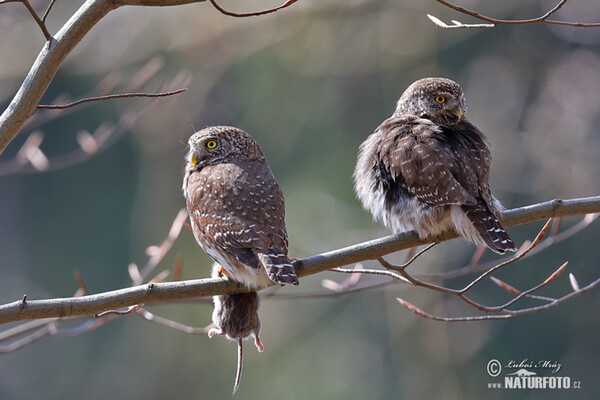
(240, 216)
(418, 158)
(228, 234)
(470, 146)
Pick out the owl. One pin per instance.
(236, 207)
(427, 169)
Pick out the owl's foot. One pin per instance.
(215, 331)
(222, 272)
(258, 344)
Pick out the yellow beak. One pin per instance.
(459, 112)
(193, 160)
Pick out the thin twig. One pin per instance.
(516, 292)
(25, 341)
(48, 11)
(31, 159)
(41, 23)
(147, 315)
(252, 14)
(108, 97)
(546, 243)
(493, 22)
(460, 293)
(552, 277)
(413, 258)
(380, 272)
(507, 313)
(24, 103)
(516, 258)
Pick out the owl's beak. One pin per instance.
(459, 112)
(193, 159)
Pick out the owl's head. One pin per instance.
(221, 144)
(440, 100)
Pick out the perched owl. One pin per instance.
(236, 207)
(426, 168)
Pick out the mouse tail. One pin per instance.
(238, 375)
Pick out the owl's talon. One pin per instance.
(258, 344)
(223, 272)
(213, 331)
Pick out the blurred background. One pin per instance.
(310, 83)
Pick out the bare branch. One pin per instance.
(252, 14)
(169, 291)
(382, 272)
(31, 159)
(347, 284)
(501, 310)
(41, 22)
(27, 340)
(159, 252)
(24, 103)
(45, 16)
(108, 97)
(546, 243)
(508, 313)
(493, 22)
(147, 315)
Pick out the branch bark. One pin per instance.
(171, 291)
(52, 55)
(494, 22)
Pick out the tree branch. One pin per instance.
(55, 50)
(108, 97)
(493, 22)
(251, 14)
(170, 291)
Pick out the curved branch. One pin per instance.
(169, 291)
(251, 14)
(493, 22)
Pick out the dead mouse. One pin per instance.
(236, 317)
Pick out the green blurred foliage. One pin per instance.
(309, 83)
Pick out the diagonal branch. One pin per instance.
(47, 12)
(169, 291)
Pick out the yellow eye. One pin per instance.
(440, 99)
(211, 144)
(193, 160)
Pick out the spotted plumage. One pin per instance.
(236, 207)
(426, 168)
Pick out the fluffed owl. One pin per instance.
(427, 168)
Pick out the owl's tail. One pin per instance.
(489, 229)
(278, 266)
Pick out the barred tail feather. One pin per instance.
(279, 267)
(488, 228)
